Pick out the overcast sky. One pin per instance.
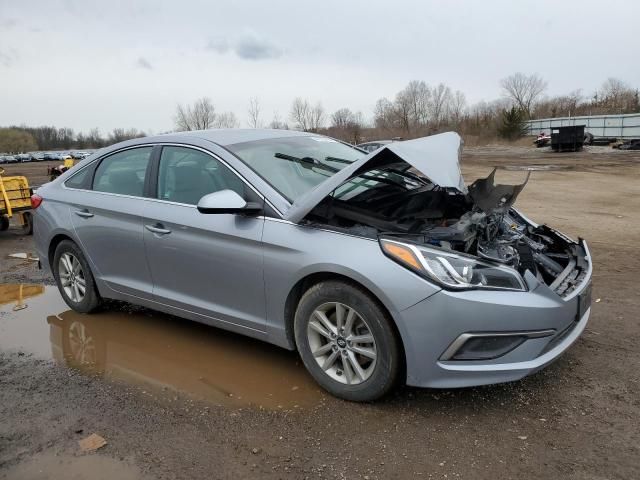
(107, 64)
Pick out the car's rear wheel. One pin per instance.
(74, 278)
(27, 226)
(346, 341)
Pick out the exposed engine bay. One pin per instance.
(396, 201)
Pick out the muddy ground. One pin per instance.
(178, 400)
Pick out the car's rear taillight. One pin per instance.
(36, 200)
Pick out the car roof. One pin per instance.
(230, 136)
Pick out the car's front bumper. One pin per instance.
(432, 326)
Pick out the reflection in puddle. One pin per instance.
(17, 293)
(157, 351)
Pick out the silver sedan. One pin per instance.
(378, 268)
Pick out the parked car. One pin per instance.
(23, 157)
(37, 156)
(50, 156)
(630, 145)
(376, 274)
(10, 159)
(374, 145)
(79, 155)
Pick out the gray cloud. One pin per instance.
(218, 45)
(251, 47)
(8, 57)
(8, 23)
(248, 46)
(144, 63)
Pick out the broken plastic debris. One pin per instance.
(597, 300)
(92, 442)
(23, 256)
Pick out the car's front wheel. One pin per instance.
(73, 276)
(346, 341)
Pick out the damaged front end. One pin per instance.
(457, 237)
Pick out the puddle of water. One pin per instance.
(47, 466)
(150, 349)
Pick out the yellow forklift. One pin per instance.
(15, 199)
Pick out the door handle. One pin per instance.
(83, 213)
(158, 228)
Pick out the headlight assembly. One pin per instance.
(451, 270)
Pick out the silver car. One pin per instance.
(378, 268)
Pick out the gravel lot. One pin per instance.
(178, 400)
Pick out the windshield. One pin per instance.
(295, 165)
(380, 181)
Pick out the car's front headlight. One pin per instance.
(451, 270)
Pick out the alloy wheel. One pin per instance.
(72, 277)
(342, 343)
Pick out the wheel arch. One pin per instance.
(308, 281)
(56, 240)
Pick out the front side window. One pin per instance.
(287, 163)
(123, 172)
(186, 175)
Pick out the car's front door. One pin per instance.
(107, 217)
(208, 264)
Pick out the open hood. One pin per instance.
(437, 157)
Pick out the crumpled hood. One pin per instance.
(437, 157)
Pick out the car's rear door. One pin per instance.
(107, 218)
(208, 264)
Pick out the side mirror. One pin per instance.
(227, 201)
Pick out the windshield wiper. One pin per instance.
(307, 162)
(339, 160)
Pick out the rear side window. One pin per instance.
(80, 179)
(123, 173)
(186, 175)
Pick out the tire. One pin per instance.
(27, 228)
(380, 359)
(86, 302)
(4, 223)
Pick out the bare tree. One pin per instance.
(341, 118)
(383, 114)
(254, 113)
(347, 125)
(524, 90)
(277, 123)
(225, 120)
(199, 116)
(417, 95)
(439, 103)
(402, 111)
(457, 107)
(300, 114)
(316, 117)
(120, 135)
